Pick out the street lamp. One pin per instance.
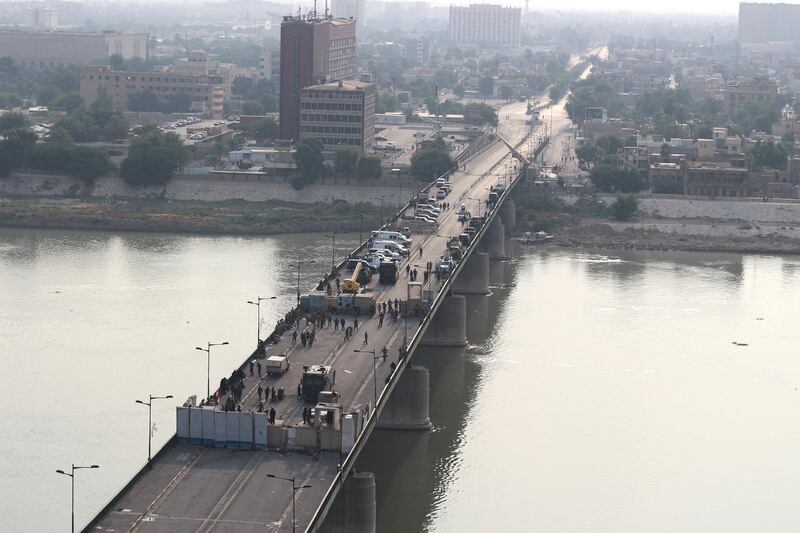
(381, 197)
(257, 303)
(295, 488)
(298, 276)
(374, 373)
(208, 374)
(479, 205)
(72, 475)
(149, 405)
(332, 236)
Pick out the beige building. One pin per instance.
(206, 92)
(339, 113)
(45, 49)
(485, 24)
(760, 90)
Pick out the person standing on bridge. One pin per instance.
(258, 368)
(294, 337)
(408, 270)
(355, 324)
(272, 416)
(366, 338)
(259, 390)
(420, 251)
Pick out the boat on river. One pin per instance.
(536, 237)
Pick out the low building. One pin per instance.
(716, 179)
(759, 90)
(339, 113)
(207, 93)
(667, 178)
(390, 119)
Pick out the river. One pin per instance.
(600, 392)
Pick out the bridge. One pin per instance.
(252, 470)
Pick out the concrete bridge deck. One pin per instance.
(198, 488)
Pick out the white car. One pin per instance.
(424, 219)
(441, 194)
(388, 254)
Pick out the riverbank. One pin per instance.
(694, 236)
(236, 217)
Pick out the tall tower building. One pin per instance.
(313, 50)
(356, 9)
(485, 24)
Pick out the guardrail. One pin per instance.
(349, 462)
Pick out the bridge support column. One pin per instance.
(508, 213)
(474, 277)
(494, 240)
(359, 503)
(449, 326)
(408, 406)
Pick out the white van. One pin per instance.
(391, 245)
(385, 252)
(391, 236)
(277, 365)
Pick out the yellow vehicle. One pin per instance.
(351, 284)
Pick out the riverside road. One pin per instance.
(197, 488)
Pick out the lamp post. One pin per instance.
(149, 405)
(72, 475)
(479, 205)
(295, 488)
(208, 373)
(374, 373)
(257, 303)
(298, 276)
(381, 197)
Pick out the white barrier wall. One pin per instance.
(182, 424)
(208, 426)
(245, 430)
(220, 428)
(260, 420)
(195, 426)
(231, 429)
(348, 433)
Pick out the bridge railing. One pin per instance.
(349, 461)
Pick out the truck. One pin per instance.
(276, 365)
(388, 272)
(316, 378)
(362, 275)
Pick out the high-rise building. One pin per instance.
(354, 9)
(340, 113)
(485, 24)
(313, 50)
(47, 49)
(761, 23)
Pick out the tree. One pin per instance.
(241, 85)
(345, 160)
(261, 130)
(624, 207)
(486, 86)
(153, 158)
(430, 163)
(117, 62)
(666, 151)
(788, 138)
(10, 101)
(587, 152)
(458, 90)
(11, 121)
(69, 102)
(477, 114)
(82, 162)
(369, 167)
(609, 178)
(506, 92)
(769, 154)
(252, 107)
(309, 160)
(143, 101)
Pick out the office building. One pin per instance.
(47, 49)
(760, 89)
(44, 18)
(207, 93)
(339, 113)
(354, 9)
(762, 23)
(313, 50)
(485, 24)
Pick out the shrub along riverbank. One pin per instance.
(230, 217)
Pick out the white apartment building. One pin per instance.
(485, 24)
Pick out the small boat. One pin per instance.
(538, 237)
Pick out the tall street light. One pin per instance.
(257, 303)
(298, 276)
(149, 405)
(479, 205)
(295, 488)
(374, 374)
(208, 373)
(72, 475)
(381, 197)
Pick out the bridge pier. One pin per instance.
(359, 503)
(474, 277)
(449, 326)
(494, 240)
(478, 322)
(408, 407)
(508, 213)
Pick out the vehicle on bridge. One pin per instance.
(276, 365)
(395, 236)
(316, 378)
(388, 272)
